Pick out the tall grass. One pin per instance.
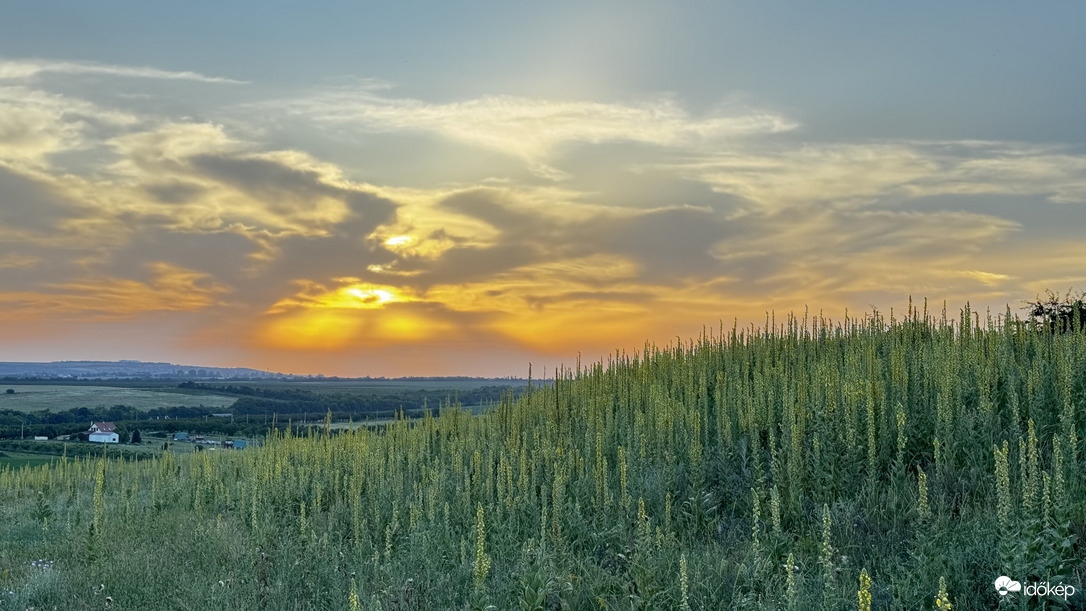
(871, 463)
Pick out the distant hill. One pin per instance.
(99, 370)
(128, 370)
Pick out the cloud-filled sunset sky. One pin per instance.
(463, 188)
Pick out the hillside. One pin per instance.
(807, 466)
(125, 369)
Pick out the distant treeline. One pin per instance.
(253, 414)
(258, 400)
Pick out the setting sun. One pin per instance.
(370, 297)
(399, 240)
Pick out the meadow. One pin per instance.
(866, 464)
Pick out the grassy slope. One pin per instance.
(723, 457)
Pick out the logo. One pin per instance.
(1005, 585)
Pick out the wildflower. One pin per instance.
(923, 510)
(790, 582)
(482, 560)
(684, 583)
(864, 593)
(942, 601)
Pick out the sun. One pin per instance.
(369, 297)
(350, 315)
(399, 240)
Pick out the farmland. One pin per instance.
(871, 463)
(51, 409)
(17, 460)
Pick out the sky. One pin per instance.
(435, 188)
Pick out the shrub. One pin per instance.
(1059, 314)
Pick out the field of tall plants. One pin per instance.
(871, 463)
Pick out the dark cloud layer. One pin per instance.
(28, 205)
(668, 245)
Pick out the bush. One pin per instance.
(1059, 314)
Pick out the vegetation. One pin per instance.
(871, 464)
(31, 397)
(23, 459)
(1057, 314)
(259, 400)
(255, 406)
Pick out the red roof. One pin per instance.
(102, 427)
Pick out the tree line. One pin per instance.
(254, 412)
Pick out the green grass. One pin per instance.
(55, 397)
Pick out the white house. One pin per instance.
(103, 432)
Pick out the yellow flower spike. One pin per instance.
(942, 601)
(864, 593)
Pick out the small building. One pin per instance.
(103, 432)
(180, 436)
(40, 438)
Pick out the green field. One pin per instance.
(60, 397)
(16, 460)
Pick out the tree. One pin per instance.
(11, 391)
(136, 436)
(1059, 314)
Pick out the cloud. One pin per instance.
(167, 145)
(527, 233)
(839, 254)
(170, 288)
(183, 192)
(630, 262)
(532, 129)
(25, 69)
(37, 210)
(15, 261)
(985, 278)
(196, 178)
(1060, 177)
(858, 174)
(34, 124)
